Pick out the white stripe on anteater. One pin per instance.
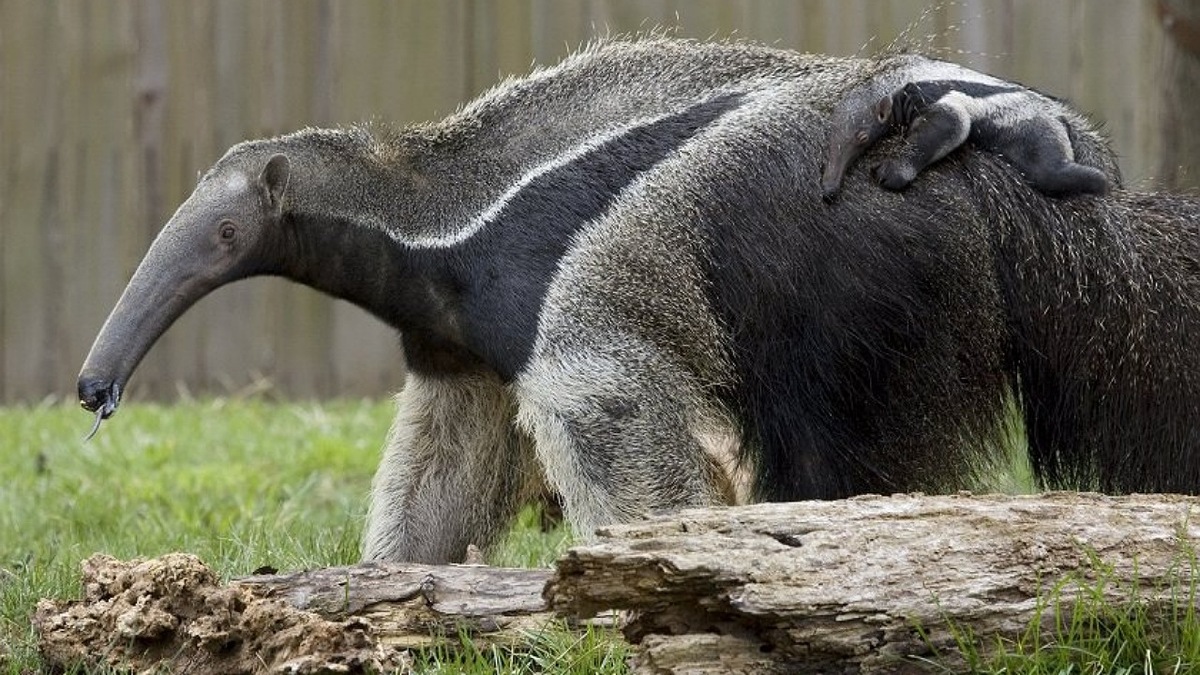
(497, 207)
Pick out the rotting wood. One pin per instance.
(871, 584)
(173, 613)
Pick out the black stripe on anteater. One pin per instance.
(918, 96)
(503, 272)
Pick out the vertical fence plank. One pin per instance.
(499, 41)
(36, 166)
(8, 172)
(779, 23)
(556, 28)
(1120, 82)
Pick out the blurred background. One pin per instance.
(109, 111)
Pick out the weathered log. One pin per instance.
(862, 585)
(415, 606)
(874, 583)
(172, 612)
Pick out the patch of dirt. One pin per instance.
(172, 613)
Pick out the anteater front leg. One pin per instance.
(934, 134)
(454, 473)
(620, 434)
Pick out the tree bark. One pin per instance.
(874, 583)
(1180, 20)
(862, 585)
(415, 606)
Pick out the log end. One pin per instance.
(172, 611)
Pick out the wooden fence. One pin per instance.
(110, 108)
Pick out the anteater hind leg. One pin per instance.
(454, 472)
(1067, 178)
(1043, 151)
(934, 134)
(620, 434)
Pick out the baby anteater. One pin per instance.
(941, 106)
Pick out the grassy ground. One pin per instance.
(247, 483)
(240, 483)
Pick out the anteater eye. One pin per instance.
(861, 136)
(227, 230)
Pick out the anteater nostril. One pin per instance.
(97, 393)
(87, 395)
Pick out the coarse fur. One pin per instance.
(455, 464)
(941, 106)
(614, 277)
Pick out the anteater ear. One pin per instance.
(883, 109)
(274, 179)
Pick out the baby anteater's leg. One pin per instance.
(1041, 148)
(934, 134)
(1067, 178)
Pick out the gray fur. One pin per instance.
(454, 466)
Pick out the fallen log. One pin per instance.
(861, 585)
(173, 613)
(417, 606)
(874, 584)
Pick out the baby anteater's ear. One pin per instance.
(274, 180)
(883, 109)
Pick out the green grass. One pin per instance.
(248, 483)
(561, 652)
(1078, 630)
(241, 483)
